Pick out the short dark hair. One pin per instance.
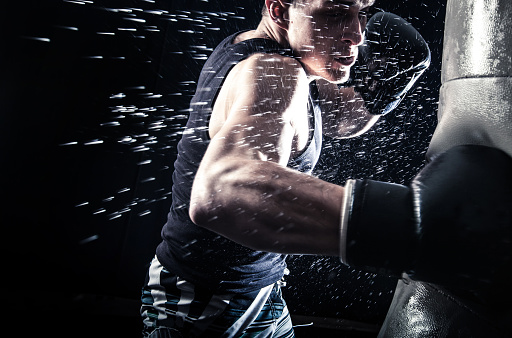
(289, 2)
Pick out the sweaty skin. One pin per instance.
(243, 189)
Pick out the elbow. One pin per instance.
(196, 214)
(209, 206)
(202, 214)
(202, 217)
(215, 194)
(203, 197)
(213, 215)
(199, 211)
(225, 203)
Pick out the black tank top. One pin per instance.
(197, 254)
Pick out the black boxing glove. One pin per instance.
(391, 59)
(452, 225)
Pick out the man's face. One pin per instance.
(325, 35)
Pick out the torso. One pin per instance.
(195, 253)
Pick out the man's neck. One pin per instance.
(272, 31)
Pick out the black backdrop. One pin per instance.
(93, 99)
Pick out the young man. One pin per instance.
(263, 99)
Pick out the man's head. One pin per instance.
(323, 34)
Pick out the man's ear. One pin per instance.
(278, 12)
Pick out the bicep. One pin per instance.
(254, 115)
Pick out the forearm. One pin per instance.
(353, 119)
(267, 207)
(344, 111)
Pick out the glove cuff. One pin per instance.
(345, 215)
(378, 231)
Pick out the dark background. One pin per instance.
(93, 97)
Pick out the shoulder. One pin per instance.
(273, 64)
(268, 92)
(263, 64)
(260, 84)
(270, 75)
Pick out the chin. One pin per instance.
(331, 74)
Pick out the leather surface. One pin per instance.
(425, 310)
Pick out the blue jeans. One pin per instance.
(173, 307)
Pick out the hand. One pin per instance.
(451, 226)
(390, 61)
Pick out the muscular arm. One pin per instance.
(344, 112)
(243, 189)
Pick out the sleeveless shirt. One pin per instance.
(196, 254)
